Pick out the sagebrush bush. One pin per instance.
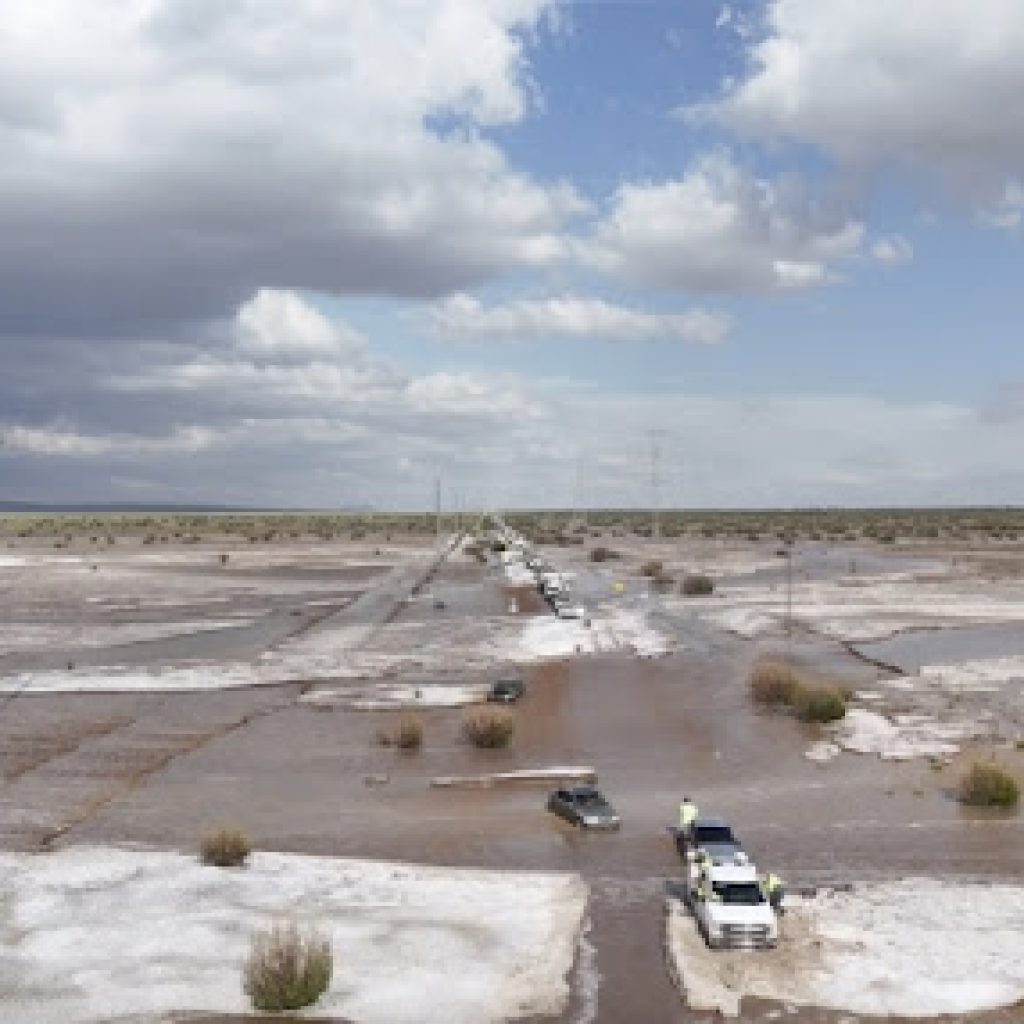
(225, 848)
(819, 704)
(698, 585)
(406, 735)
(988, 785)
(654, 567)
(774, 684)
(286, 969)
(603, 554)
(489, 728)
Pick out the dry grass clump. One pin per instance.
(988, 785)
(286, 969)
(697, 584)
(225, 848)
(489, 728)
(775, 684)
(406, 735)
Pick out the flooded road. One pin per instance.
(162, 769)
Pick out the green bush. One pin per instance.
(988, 785)
(774, 684)
(819, 704)
(489, 728)
(225, 848)
(698, 585)
(287, 970)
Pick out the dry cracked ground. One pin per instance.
(151, 696)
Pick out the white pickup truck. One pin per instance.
(731, 909)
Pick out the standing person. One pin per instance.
(774, 890)
(687, 814)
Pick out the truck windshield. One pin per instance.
(743, 894)
(713, 834)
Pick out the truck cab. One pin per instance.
(731, 909)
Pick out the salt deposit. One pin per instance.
(916, 947)
(92, 934)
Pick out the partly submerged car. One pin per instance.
(713, 836)
(583, 806)
(506, 691)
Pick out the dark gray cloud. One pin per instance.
(160, 162)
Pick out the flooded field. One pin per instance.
(159, 695)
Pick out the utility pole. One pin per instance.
(789, 596)
(578, 503)
(437, 508)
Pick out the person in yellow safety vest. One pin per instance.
(700, 870)
(774, 891)
(687, 814)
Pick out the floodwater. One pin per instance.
(910, 651)
(162, 769)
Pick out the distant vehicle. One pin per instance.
(567, 610)
(731, 910)
(713, 836)
(506, 691)
(583, 806)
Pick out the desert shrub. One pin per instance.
(654, 567)
(819, 704)
(663, 580)
(774, 684)
(406, 735)
(988, 785)
(489, 728)
(603, 554)
(287, 970)
(697, 585)
(225, 848)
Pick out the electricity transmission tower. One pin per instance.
(656, 437)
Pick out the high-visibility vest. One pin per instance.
(772, 882)
(687, 814)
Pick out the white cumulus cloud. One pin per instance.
(892, 250)
(278, 324)
(572, 316)
(720, 229)
(56, 440)
(931, 83)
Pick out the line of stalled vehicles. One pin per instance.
(720, 885)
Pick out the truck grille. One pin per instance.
(741, 935)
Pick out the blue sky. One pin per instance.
(308, 254)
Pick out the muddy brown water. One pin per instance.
(162, 769)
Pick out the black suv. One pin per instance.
(506, 691)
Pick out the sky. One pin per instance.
(321, 253)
